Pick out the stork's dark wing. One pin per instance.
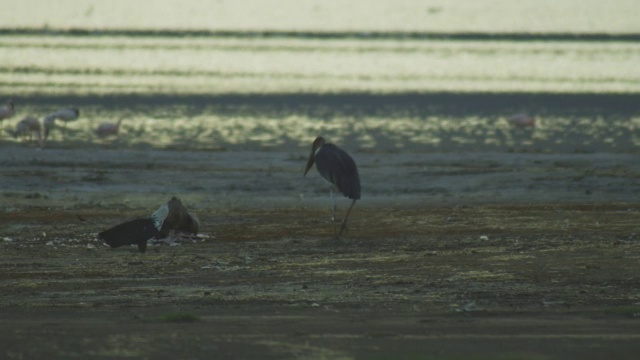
(136, 231)
(337, 167)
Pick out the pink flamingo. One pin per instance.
(522, 120)
(26, 128)
(6, 112)
(107, 129)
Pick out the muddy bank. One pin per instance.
(95, 177)
(448, 255)
(545, 280)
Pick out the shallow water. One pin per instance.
(367, 93)
(414, 123)
(138, 62)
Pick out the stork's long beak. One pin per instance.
(312, 159)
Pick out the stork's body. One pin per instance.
(64, 115)
(339, 169)
(6, 112)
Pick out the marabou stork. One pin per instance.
(338, 168)
(170, 216)
(65, 115)
(6, 112)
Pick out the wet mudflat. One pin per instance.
(501, 281)
(477, 268)
(474, 238)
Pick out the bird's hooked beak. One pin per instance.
(312, 159)
(317, 144)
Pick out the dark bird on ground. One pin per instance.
(179, 219)
(6, 112)
(339, 169)
(172, 216)
(136, 231)
(64, 115)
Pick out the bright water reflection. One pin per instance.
(369, 94)
(413, 123)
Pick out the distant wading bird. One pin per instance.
(522, 120)
(49, 124)
(106, 129)
(64, 115)
(6, 112)
(26, 128)
(338, 168)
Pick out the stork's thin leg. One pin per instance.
(344, 222)
(333, 213)
(333, 206)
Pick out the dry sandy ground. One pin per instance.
(449, 256)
